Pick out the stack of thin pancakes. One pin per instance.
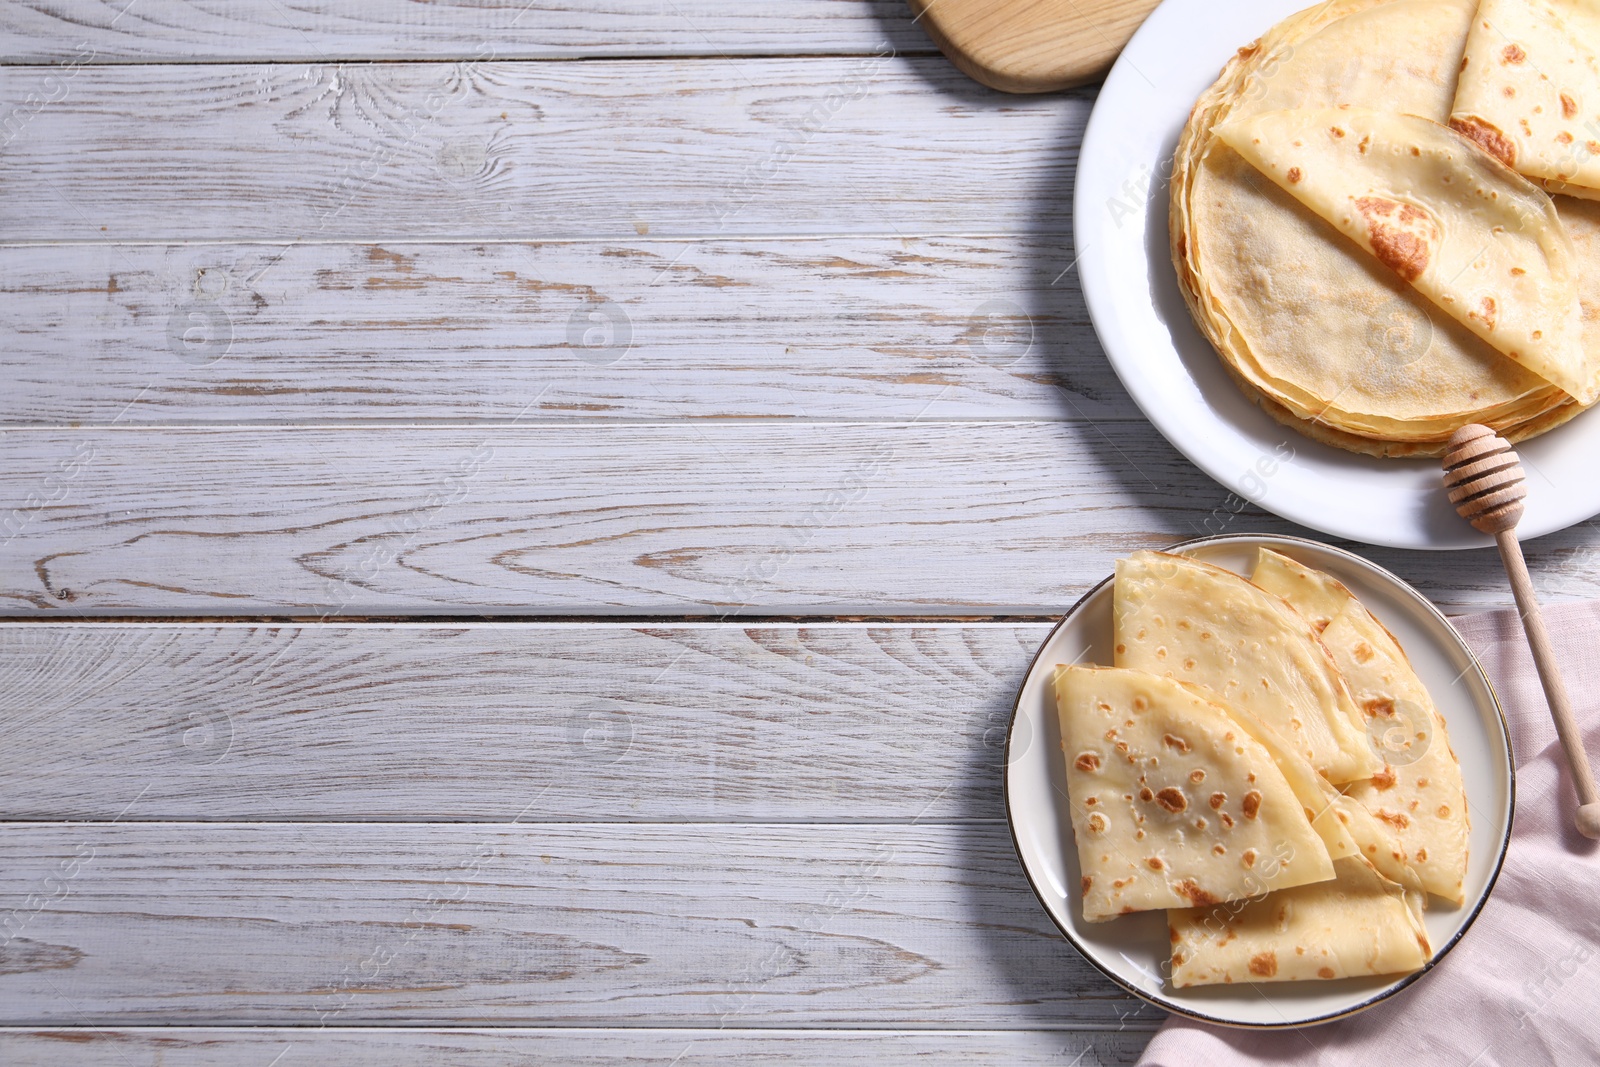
(1263, 763)
(1345, 338)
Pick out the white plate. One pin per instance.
(1133, 950)
(1174, 375)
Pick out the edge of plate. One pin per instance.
(1385, 994)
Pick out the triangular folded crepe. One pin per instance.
(1209, 627)
(1346, 828)
(1317, 596)
(1529, 90)
(1359, 924)
(1375, 841)
(1418, 795)
(1475, 238)
(1172, 804)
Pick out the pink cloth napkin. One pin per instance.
(1523, 985)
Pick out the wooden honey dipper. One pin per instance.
(1485, 479)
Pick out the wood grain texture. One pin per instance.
(724, 519)
(846, 327)
(700, 723)
(1032, 46)
(909, 926)
(240, 31)
(192, 1046)
(496, 150)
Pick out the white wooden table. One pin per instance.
(522, 526)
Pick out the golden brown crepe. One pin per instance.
(1172, 804)
(1209, 627)
(1480, 241)
(1345, 827)
(1419, 795)
(1529, 91)
(1359, 924)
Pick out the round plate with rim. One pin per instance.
(1133, 950)
(1171, 370)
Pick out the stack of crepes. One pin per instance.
(1363, 223)
(1229, 769)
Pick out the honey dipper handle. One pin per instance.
(1555, 690)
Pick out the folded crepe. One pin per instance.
(1359, 924)
(1172, 804)
(1418, 795)
(1200, 624)
(1481, 242)
(1346, 828)
(1375, 841)
(1319, 597)
(1529, 91)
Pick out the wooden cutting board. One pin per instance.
(1032, 46)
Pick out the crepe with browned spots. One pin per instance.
(1481, 242)
(1172, 803)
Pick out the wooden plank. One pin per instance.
(192, 1046)
(710, 519)
(697, 722)
(241, 31)
(914, 927)
(876, 144)
(842, 327)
